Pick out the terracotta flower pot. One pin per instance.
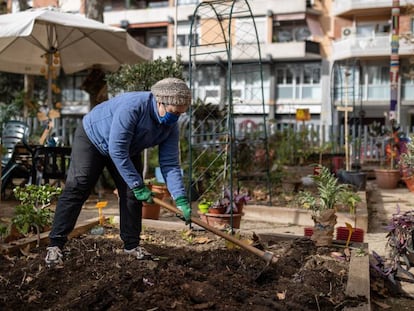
(221, 220)
(409, 182)
(150, 211)
(387, 178)
(160, 191)
(216, 210)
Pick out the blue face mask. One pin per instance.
(169, 118)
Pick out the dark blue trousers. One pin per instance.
(84, 170)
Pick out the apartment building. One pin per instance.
(304, 44)
(293, 40)
(362, 48)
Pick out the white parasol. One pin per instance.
(37, 42)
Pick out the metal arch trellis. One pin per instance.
(226, 77)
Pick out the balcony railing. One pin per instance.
(343, 6)
(363, 46)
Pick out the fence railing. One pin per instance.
(363, 147)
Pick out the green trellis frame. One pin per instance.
(226, 78)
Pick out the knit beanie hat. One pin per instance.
(172, 91)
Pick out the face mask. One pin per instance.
(169, 118)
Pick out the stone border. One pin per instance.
(302, 217)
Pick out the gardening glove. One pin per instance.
(184, 206)
(142, 193)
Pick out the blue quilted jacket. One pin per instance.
(124, 126)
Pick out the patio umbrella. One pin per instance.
(43, 41)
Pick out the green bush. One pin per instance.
(33, 211)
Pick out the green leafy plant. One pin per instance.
(4, 229)
(406, 161)
(33, 211)
(141, 76)
(329, 193)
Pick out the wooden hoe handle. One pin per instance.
(267, 256)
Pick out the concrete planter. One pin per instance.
(302, 217)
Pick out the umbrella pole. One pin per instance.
(49, 79)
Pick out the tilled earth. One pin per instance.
(194, 271)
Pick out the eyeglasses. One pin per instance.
(177, 111)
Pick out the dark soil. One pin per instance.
(195, 271)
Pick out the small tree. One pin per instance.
(141, 76)
(34, 210)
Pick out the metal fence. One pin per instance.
(363, 147)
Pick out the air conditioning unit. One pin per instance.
(347, 32)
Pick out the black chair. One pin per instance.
(51, 163)
(14, 133)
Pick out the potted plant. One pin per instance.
(350, 200)
(226, 211)
(389, 137)
(152, 210)
(322, 202)
(204, 205)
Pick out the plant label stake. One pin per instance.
(350, 230)
(100, 205)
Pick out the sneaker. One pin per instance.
(54, 256)
(140, 253)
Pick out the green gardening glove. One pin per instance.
(143, 194)
(184, 206)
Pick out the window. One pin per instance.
(156, 38)
(288, 31)
(183, 34)
(187, 2)
(367, 29)
(299, 81)
(378, 76)
(246, 32)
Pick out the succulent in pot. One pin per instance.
(226, 206)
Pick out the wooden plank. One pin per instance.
(15, 246)
(359, 280)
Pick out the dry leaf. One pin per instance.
(201, 240)
(25, 250)
(281, 295)
(28, 279)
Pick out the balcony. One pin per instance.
(263, 7)
(367, 47)
(161, 14)
(303, 50)
(148, 15)
(357, 7)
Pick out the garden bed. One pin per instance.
(195, 271)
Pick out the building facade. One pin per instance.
(316, 55)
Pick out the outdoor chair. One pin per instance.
(14, 133)
(51, 163)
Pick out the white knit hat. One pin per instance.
(172, 91)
